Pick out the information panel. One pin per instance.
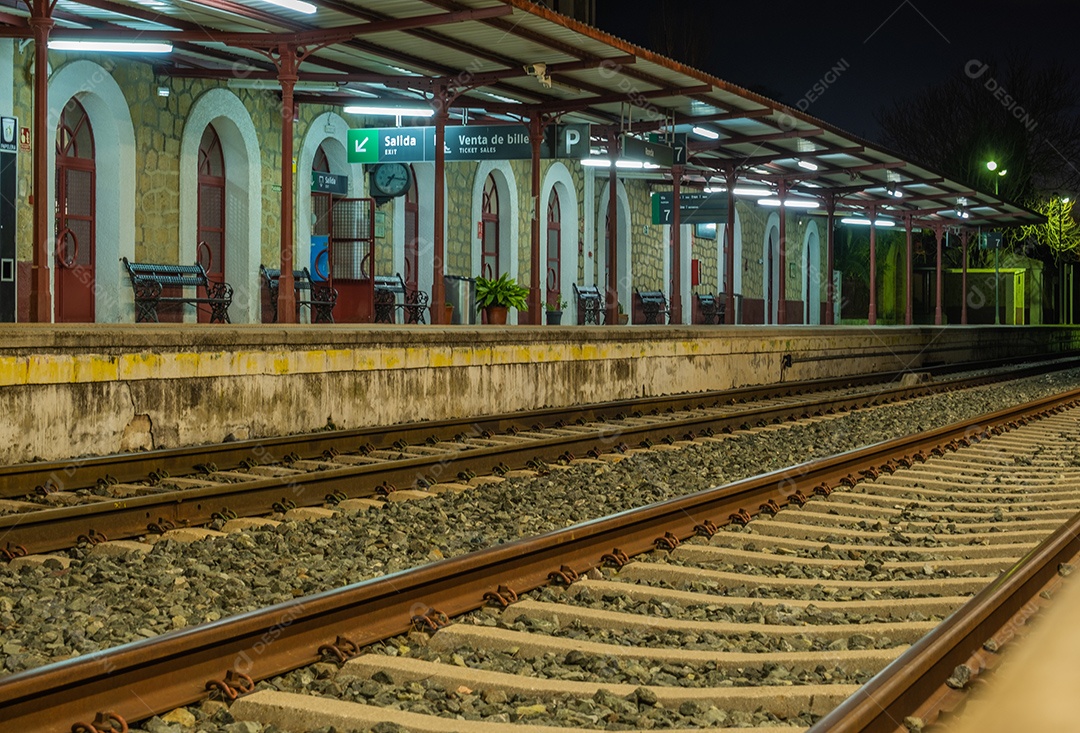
(465, 142)
(694, 207)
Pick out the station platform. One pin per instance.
(70, 391)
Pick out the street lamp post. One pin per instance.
(992, 166)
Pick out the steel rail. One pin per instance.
(151, 676)
(60, 528)
(916, 676)
(80, 473)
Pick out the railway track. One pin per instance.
(54, 506)
(832, 587)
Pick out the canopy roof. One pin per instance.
(503, 60)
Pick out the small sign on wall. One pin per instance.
(8, 143)
(24, 140)
(380, 224)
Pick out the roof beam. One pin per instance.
(318, 36)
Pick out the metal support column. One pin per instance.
(781, 293)
(41, 24)
(611, 314)
(729, 252)
(872, 315)
(830, 257)
(676, 245)
(909, 310)
(963, 276)
(288, 75)
(536, 136)
(939, 232)
(438, 285)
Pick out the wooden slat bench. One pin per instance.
(711, 308)
(654, 305)
(148, 280)
(413, 303)
(320, 298)
(590, 304)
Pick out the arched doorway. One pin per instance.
(553, 269)
(412, 235)
(813, 273)
(771, 270)
(320, 221)
(489, 230)
(210, 250)
(75, 216)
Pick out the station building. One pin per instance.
(177, 158)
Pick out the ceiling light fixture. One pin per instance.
(385, 111)
(706, 133)
(298, 5)
(866, 222)
(111, 46)
(793, 203)
(807, 165)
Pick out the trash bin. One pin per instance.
(738, 308)
(461, 293)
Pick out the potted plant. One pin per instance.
(497, 296)
(449, 313)
(624, 317)
(554, 309)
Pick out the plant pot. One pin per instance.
(496, 315)
(449, 314)
(554, 318)
(624, 318)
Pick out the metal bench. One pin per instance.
(711, 308)
(413, 302)
(321, 298)
(654, 305)
(149, 280)
(590, 304)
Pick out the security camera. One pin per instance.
(537, 70)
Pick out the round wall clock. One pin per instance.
(389, 180)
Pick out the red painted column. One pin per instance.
(40, 297)
(939, 232)
(612, 304)
(909, 312)
(830, 247)
(781, 295)
(536, 283)
(287, 76)
(729, 253)
(963, 277)
(872, 316)
(438, 285)
(676, 245)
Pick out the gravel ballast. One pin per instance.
(50, 612)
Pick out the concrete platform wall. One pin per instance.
(94, 390)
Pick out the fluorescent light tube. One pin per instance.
(365, 109)
(793, 203)
(298, 5)
(111, 46)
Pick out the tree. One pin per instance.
(679, 32)
(1060, 233)
(1022, 115)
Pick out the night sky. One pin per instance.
(892, 48)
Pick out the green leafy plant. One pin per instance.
(556, 305)
(502, 291)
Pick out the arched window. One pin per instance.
(412, 235)
(489, 225)
(211, 233)
(554, 247)
(75, 209)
